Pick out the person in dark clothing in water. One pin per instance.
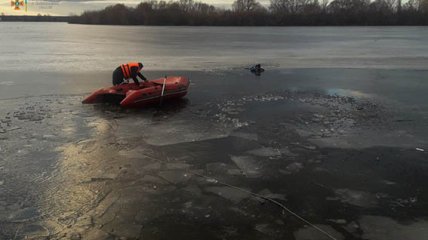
(128, 71)
(257, 69)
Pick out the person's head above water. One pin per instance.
(140, 65)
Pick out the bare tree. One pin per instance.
(349, 5)
(423, 6)
(324, 4)
(246, 6)
(384, 6)
(252, 13)
(288, 6)
(187, 5)
(392, 4)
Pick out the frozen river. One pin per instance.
(335, 130)
(62, 47)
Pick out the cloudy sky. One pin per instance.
(66, 7)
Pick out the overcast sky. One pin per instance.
(66, 7)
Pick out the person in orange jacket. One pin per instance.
(128, 71)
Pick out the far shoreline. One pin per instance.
(149, 25)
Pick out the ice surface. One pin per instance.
(25, 214)
(244, 135)
(310, 233)
(265, 152)
(208, 48)
(268, 194)
(7, 83)
(294, 167)
(174, 176)
(357, 198)
(247, 164)
(177, 166)
(33, 231)
(231, 194)
(266, 229)
(153, 166)
(384, 228)
(176, 131)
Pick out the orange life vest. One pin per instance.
(126, 69)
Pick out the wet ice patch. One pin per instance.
(407, 202)
(384, 228)
(23, 215)
(228, 193)
(267, 229)
(127, 230)
(244, 135)
(152, 166)
(168, 133)
(265, 152)
(174, 177)
(7, 83)
(247, 165)
(310, 233)
(292, 168)
(268, 194)
(219, 168)
(356, 198)
(387, 182)
(133, 153)
(33, 112)
(177, 166)
(234, 122)
(229, 110)
(33, 231)
(338, 221)
(193, 189)
(152, 179)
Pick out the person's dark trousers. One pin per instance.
(117, 76)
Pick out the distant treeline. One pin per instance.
(252, 13)
(38, 18)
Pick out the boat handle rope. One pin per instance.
(163, 90)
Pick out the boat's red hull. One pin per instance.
(148, 93)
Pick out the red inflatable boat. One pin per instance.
(152, 92)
